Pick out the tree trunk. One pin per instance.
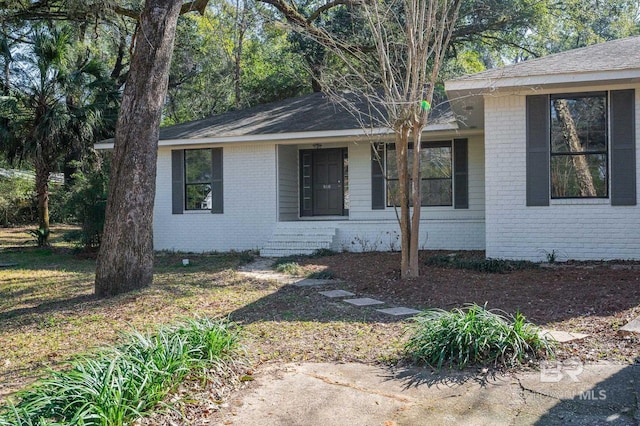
(402, 147)
(42, 190)
(583, 176)
(125, 261)
(414, 266)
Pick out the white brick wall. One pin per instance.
(573, 229)
(249, 204)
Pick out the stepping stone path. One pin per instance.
(562, 336)
(336, 293)
(364, 301)
(630, 328)
(309, 282)
(399, 311)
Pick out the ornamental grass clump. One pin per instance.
(474, 335)
(121, 384)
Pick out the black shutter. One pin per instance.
(217, 194)
(461, 173)
(306, 183)
(177, 181)
(538, 145)
(377, 177)
(623, 148)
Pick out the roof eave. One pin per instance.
(301, 137)
(486, 85)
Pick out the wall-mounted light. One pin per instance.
(317, 145)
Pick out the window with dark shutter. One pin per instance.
(623, 148)
(377, 177)
(461, 173)
(197, 180)
(537, 150)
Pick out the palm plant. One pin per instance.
(47, 112)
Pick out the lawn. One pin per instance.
(48, 313)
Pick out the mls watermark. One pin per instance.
(556, 371)
(569, 369)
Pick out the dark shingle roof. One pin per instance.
(622, 54)
(309, 113)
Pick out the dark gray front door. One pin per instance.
(322, 186)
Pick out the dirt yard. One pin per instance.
(596, 298)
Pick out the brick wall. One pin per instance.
(572, 229)
(249, 204)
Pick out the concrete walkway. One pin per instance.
(357, 394)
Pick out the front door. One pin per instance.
(322, 176)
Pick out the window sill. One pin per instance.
(581, 202)
(197, 212)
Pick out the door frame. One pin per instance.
(305, 177)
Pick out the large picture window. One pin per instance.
(197, 179)
(579, 160)
(435, 171)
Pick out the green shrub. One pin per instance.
(290, 268)
(17, 201)
(489, 265)
(285, 260)
(119, 385)
(474, 335)
(327, 274)
(86, 204)
(323, 252)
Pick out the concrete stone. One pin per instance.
(364, 301)
(336, 293)
(630, 328)
(399, 311)
(316, 394)
(310, 282)
(562, 336)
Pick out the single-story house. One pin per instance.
(536, 159)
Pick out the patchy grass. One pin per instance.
(123, 383)
(48, 314)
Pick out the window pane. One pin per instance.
(436, 192)
(579, 124)
(392, 168)
(197, 165)
(436, 162)
(199, 196)
(393, 192)
(579, 176)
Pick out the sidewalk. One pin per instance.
(357, 394)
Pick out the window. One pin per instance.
(435, 171)
(579, 160)
(605, 140)
(197, 179)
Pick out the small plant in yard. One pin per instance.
(474, 335)
(322, 275)
(290, 268)
(121, 384)
(490, 265)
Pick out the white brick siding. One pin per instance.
(249, 217)
(573, 229)
(251, 208)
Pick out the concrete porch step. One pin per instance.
(290, 239)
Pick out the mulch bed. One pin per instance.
(596, 298)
